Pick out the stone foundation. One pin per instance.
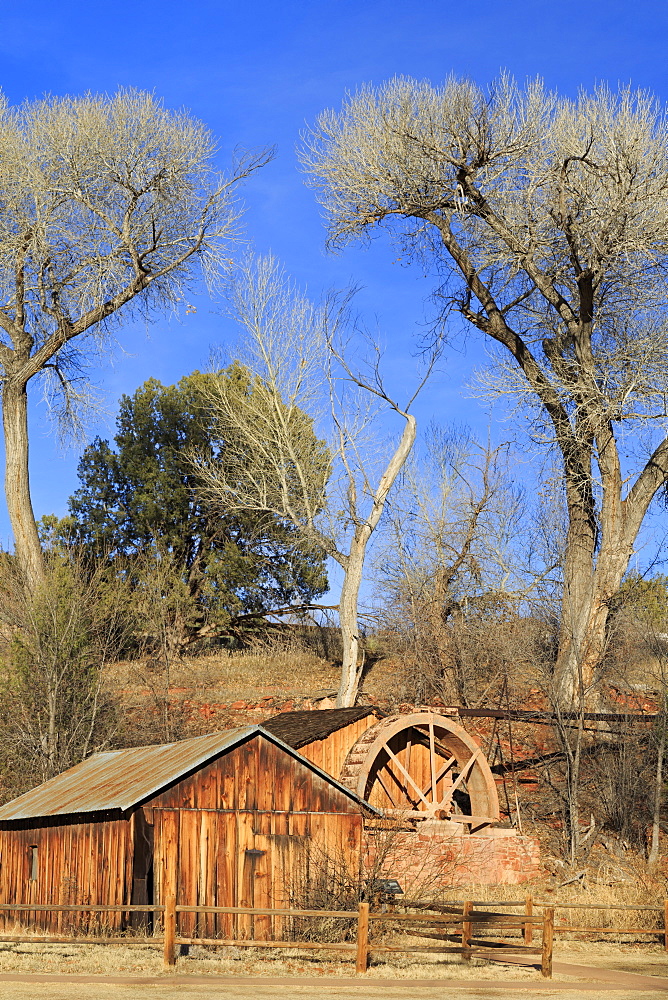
(439, 854)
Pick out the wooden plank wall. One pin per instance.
(77, 862)
(255, 776)
(330, 753)
(245, 859)
(242, 832)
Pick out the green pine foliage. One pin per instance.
(138, 506)
(646, 598)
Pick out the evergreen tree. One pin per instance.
(139, 499)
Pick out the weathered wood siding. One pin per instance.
(330, 753)
(239, 832)
(78, 860)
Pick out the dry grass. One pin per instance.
(114, 960)
(223, 677)
(82, 959)
(641, 890)
(276, 670)
(385, 682)
(218, 691)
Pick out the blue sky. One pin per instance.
(257, 73)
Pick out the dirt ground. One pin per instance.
(291, 990)
(89, 972)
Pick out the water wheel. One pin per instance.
(423, 766)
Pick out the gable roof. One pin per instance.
(299, 728)
(121, 779)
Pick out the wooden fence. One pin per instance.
(661, 930)
(471, 932)
(467, 927)
(528, 904)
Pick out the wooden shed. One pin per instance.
(222, 820)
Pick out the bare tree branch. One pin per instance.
(552, 214)
(108, 207)
(334, 497)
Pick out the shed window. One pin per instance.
(33, 863)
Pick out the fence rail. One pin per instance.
(660, 931)
(529, 904)
(83, 908)
(457, 926)
(471, 937)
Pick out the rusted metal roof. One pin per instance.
(121, 779)
(297, 729)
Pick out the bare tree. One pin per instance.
(105, 203)
(639, 668)
(451, 577)
(273, 461)
(54, 643)
(549, 218)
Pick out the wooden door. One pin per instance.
(142, 868)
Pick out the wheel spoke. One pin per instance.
(432, 762)
(407, 776)
(465, 771)
(440, 773)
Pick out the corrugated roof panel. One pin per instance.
(118, 779)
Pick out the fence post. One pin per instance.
(527, 930)
(169, 918)
(362, 938)
(548, 934)
(467, 931)
(665, 924)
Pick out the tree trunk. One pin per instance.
(653, 855)
(591, 580)
(51, 741)
(348, 621)
(17, 484)
(353, 566)
(573, 792)
(582, 641)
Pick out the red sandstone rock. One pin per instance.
(451, 860)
